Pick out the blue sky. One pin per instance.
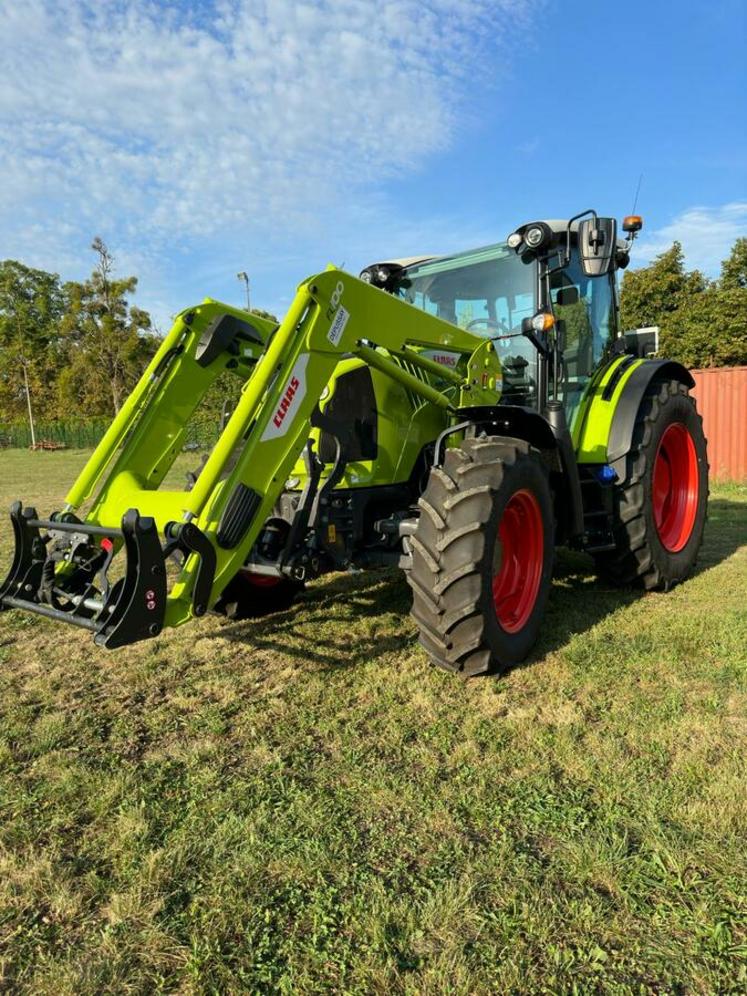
(275, 136)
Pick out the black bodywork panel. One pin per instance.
(621, 432)
(354, 404)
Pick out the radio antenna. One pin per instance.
(637, 192)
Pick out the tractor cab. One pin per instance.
(575, 325)
(487, 291)
(498, 291)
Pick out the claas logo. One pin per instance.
(445, 360)
(290, 393)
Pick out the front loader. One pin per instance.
(458, 416)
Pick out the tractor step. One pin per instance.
(599, 547)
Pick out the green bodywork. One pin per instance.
(334, 321)
(592, 426)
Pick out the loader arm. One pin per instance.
(211, 528)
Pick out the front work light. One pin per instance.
(534, 236)
(376, 275)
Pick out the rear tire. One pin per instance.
(250, 596)
(660, 507)
(482, 556)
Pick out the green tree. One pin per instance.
(711, 331)
(261, 313)
(734, 268)
(654, 293)
(702, 323)
(31, 304)
(107, 339)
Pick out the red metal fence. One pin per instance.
(721, 393)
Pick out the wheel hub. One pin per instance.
(517, 581)
(675, 487)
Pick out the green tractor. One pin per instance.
(458, 416)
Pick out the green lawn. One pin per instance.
(303, 805)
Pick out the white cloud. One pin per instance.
(706, 234)
(161, 125)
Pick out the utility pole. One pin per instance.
(245, 277)
(28, 403)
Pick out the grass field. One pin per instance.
(303, 805)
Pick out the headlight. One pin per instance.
(376, 275)
(534, 236)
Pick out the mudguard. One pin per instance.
(621, 434)
(546, 433)
(605, 433)
(512, 420)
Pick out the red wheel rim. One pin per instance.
(675, 487)
(516, 583)
(260, 580)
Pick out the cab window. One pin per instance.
(488, 292)
(585, 312)
(586, 306)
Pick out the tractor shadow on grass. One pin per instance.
(340, 621)
(346, 620)
(333, 626)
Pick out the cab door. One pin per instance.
(584, 309)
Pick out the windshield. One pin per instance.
(488, 292)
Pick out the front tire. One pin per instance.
(482, 556)
(660, 507)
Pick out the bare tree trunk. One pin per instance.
(115, 393)
(28, 405)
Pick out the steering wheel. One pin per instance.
(491, 323)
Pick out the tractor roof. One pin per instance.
(558, 225)
(403, 261)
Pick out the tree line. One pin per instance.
(71, 352)
(77, 348)
(702, 322)
(69, 348)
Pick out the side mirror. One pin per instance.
(597, 242)
(566, 296)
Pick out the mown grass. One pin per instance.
(303, 805)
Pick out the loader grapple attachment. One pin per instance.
(61, 568)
